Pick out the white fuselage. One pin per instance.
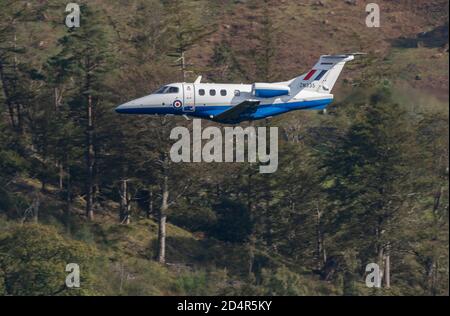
(252, 101)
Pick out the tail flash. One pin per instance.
(324, 74)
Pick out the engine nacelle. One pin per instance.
(269, 90)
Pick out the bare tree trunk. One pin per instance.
(162, 220)
(433, 271)
(434, 279)
(19, 119)
(60, 164)
(18, 106)
(380, 250)
(252, 239)
(7, 96)
(35, 208)
(381, 261)
(387, 269)
(251, 253)
(57, 99)
(150, 203)
(183, 66)
(124, 203)
(90, 162)
(269, 227)
(61, 175)
(68, 202)
(321, 256)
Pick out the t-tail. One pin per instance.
(323, 76)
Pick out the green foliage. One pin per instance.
(201, 283)
(201, 219)
(233, 222)
(12, 164)
(33, 259)
(283, 282)
(130, 277)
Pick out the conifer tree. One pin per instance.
(11, 70)
(187, 30)
(367, 177)
(86, 56)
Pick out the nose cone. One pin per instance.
(126, 108)
(120, 108)
(138, 106)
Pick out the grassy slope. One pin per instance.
(196, 265)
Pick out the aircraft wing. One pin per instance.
(238, 112)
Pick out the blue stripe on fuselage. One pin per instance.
(206, 111)
(269, 93)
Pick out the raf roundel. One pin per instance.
(177, 104)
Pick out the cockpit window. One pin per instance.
(166, 89)
(160, 90)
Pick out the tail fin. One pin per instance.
(323, 76)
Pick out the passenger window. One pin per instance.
(172, 90)
(237, 93)
(223, 92)
(201, 92)
(212, 92)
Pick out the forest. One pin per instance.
(364, 182)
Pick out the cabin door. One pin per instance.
(189, 97)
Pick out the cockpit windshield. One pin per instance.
(160, 90)
(166, 89)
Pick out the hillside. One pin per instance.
(366, 182)
(120, 257)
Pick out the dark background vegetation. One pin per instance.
(366, 182)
